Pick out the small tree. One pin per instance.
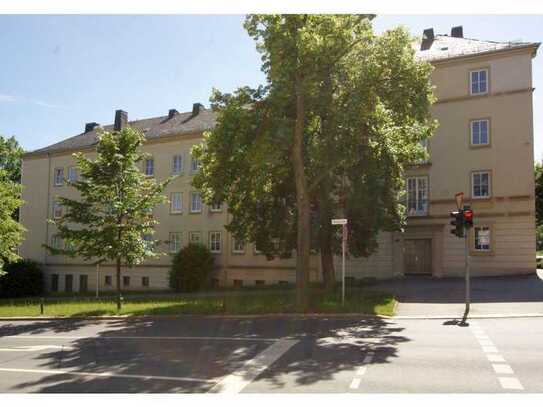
(11, 231)
(114, 215)
(191, 268)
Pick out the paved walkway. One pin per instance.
(512, 295)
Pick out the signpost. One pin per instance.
(343, 223)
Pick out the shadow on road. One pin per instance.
(326, 346)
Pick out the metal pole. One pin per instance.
(97, 279)
(343, 241)
(468, 299)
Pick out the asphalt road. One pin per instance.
(272, 355)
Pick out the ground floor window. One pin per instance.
(108, 281)
(195, 237)
(482, 238)
(175, 242)
(83, 283)
(54, 282)
(68, 283)
(238, 246)
(145, 281)
(417, 196)
(126, 281)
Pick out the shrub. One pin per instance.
(23, 278)
(191, 268)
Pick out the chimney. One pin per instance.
(121, 120)
(457, 32)
(427, 39)
(197, 108)
(172, 113)
(90, 126)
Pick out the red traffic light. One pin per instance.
(468, 214)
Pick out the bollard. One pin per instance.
(41, 306)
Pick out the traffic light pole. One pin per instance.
(467, 277)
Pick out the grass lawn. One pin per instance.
(358, 300)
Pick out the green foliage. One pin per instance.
(539, 237)
(22, 278)
(367, 109)
(10, 158)
(191, 268)
(114, 213)
(539, 193)
(11, 231)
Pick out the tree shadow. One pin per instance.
(325, 347)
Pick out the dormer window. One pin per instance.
(478, 82)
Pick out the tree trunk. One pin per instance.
(302, 200)
(118, 284)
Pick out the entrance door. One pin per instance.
(418, 256)
(83, 283)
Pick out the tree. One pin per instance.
(11, 158)
(113, 218)
(11, 231)
(342, 114)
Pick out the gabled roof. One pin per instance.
(152, 128)
(447, 47)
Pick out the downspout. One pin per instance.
(47, 207)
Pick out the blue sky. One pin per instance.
(59, 72)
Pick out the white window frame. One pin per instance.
(56, 242)
(478, 71)
(213, 241)
(472, 132)
(58, 177)
(214, 207)
(484, 228)
(418, 180)
(72, 174)
(146, 167)
(176, 241)
(192, 208)
(195, 233)
(235, 249)
(57, 207)
(473, 174)
(175, 170)
(192, 166)
(173, 209)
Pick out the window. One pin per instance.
(194, 165)
(54, 283)
(215, 242)
(195, 202)
(148, 240)
(417, 196)
(57, 210)
(216, 207)
(482, 238)
(255, 249)
(56, 242)
(480, 184)
(68, 283)
(59, 176)
(108, 281)
(479, 132)
(238, 246)
(479, 82)
(83, 283)
(72, 174)
(126, 281)
(176, 202)
(175, 242)
(149, 168)
(145, 281)
(177, 164)
(195, 237)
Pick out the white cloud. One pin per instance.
(7, 98)
(4, 98)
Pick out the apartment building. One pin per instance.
(483, 147)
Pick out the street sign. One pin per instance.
(459, 197)
(339, 221)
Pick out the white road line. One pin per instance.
(36, 348)
(202, 338)
(489, 349)
(236, 381)
(105, 374)
(361, 371)
(502, 368)
(485, 342)
(510, 383)
(495, 357)
(355, 384)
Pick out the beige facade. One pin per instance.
(496, 162)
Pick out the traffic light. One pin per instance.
(458, 223)
(468, 217)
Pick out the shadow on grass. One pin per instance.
(325, 347)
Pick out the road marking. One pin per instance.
(485, 342)
(367, 359)
(36, 348)
(200, 338)
(490, 349)
(510, 383)
(105, 374)
(502, 368)
(235, 382)
(492, 357)
(355, 384)
(361, 371)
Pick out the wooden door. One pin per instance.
(418, 256)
